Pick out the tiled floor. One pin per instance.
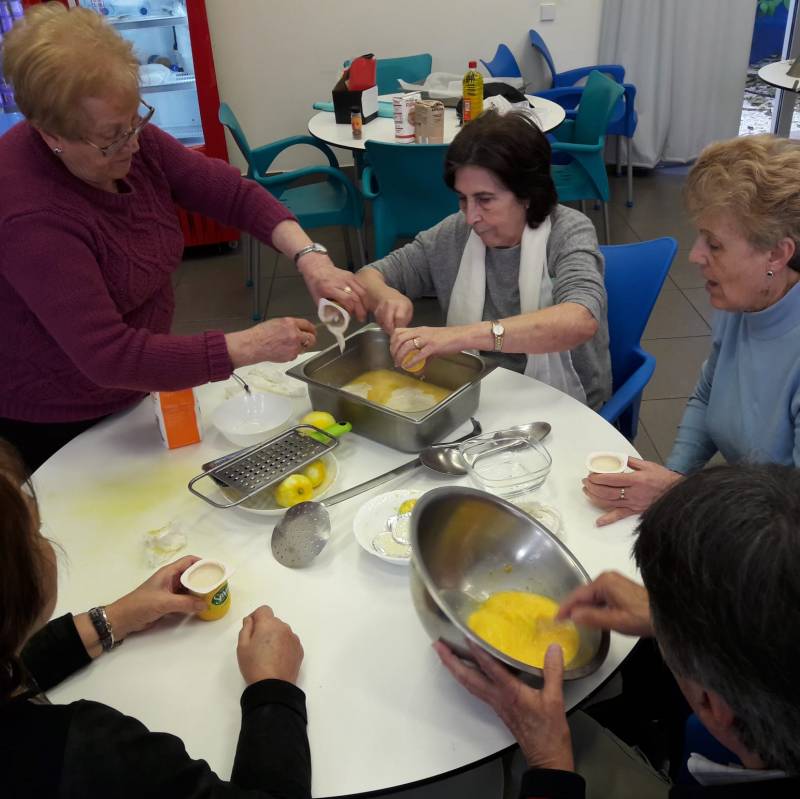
(211, 293)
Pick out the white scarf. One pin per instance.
(535, 292)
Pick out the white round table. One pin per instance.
(776, 75)
(323, 125)
(382, 711)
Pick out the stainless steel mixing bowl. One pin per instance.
(466, 545)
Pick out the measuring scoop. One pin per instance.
(305, 528)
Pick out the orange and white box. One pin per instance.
(179, 419)
(403, 111)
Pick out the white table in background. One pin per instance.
(382, 711)
(775, 74)
(323, 125)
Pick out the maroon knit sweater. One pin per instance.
(86, 299)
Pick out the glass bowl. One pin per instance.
(506, 466)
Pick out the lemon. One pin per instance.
(407, 506)
(321, 419)
(294, 489)
(315, 471)
(417, 367)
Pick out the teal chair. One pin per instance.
(405, 183)
(331, 201)
(411, 68)
(583, 140)
(634, 275)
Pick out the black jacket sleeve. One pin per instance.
(110, 754)
(544, 783)
(55, 652)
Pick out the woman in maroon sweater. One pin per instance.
(90, 237)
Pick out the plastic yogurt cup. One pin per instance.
(607, 462)
(209, 579)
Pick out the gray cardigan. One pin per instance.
(428, 267)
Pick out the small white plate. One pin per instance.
(371, 518)
(264, 503)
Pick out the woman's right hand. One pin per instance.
(393, 310)
(277, 340)
(268, 649)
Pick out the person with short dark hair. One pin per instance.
(86, 749)
(719, 555)
(518, 277)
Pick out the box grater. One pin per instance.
(253, 469)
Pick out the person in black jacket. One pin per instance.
(719, 555)
(86, 749)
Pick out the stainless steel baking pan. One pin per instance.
(368, 349)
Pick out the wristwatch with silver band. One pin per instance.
(314, 247)
(499, 332)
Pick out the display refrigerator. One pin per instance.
(172, 43)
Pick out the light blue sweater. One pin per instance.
(746, 404)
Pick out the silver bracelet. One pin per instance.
(102, 626)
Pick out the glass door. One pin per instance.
(159, 32)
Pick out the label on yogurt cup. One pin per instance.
(221, 595)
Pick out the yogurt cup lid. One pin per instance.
(204, 576)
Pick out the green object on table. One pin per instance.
(335, 430)
(384, 108)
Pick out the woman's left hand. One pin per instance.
(323, 279)
(628, 493)
(426, 341)
(155, 598)
(535, 718)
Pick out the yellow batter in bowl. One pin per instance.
(521, 626)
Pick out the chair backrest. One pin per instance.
(634, 275)
(413, 195)
(503, 65)
(228, 119)
(600, 95)
(411, 68)
(537, 42)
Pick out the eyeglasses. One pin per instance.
(119, 143)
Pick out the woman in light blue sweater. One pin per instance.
(744, 196)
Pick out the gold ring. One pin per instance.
(347, 290)
(622, 493)
(417, 342)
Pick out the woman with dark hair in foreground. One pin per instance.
(86, 749)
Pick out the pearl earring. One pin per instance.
(770, 273)
(57, 150)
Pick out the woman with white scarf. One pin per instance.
(518, 277)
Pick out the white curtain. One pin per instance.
(688, 60)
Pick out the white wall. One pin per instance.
(274, 58)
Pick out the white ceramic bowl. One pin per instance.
(250, 418)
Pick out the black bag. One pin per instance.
(492, 90)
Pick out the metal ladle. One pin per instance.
(305, 528)
(447, 458)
